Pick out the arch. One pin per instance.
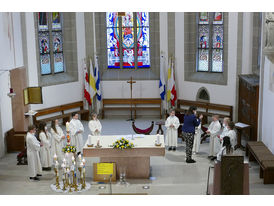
(203, 95)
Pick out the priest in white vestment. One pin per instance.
(58, 140)
(225, 128)
(95, 126)
(45, 152)
(76, 129)
(214, 142)
(172, 123)
(33, 148)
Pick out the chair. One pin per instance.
(143, 131)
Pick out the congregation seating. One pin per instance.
(257, 151)
(205, 108)
(137, 105)
(61, 112)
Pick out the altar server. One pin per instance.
(197, 139)
(33, 148)
(95, 125)
(214, 142)
(190, 122)
(172, 123)
(232, 134)
(58, 140)
(76, 132)
(226, 121)
(45, 152)
(226, 148)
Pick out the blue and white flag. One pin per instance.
(97, 80)
(162, 82)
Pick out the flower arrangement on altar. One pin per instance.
(122, 144)
(69, 149)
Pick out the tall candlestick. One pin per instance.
(158, 139)
(55, 157)
(67, 126)
(89, 139)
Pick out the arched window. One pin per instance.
(50, 39)
(131, 48)
(210, 42)
(202, 95)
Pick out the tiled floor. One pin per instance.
(171, 175)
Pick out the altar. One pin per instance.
(136, 161)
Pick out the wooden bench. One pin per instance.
(137, 105)
(62, 114)
(205, 108)
(257, 151)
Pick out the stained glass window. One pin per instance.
(129, 45)
(210, 42)
(50, 42)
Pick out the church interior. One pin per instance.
(132, 71)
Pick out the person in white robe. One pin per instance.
(76, 129)
(45, 152)
(226, 148)
(172, 124)
(232, 134)
(224, 128)
(197, 139)
(33, 148)
(213, 131)
(58, 140)
(95, 126)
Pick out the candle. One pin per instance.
(84, 161)
(67, 126)
(56, 164)
(55, 157)
(72, 158)
(80, 157)
(158, 139)
(89, 139)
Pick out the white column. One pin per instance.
(247, 43)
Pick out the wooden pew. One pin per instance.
(257, 151)
(62, 114)
(205, 108)
(137, 105)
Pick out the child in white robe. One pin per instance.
(197, 139)
(45, 152)
(33, 148)
(58, 140)
(95, 126)
(232, 134)
(214, 142)
(226, 148)
(76, 129)
(172, 123)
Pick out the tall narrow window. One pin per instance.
(50, 42)
(210, 42)
(133, 42)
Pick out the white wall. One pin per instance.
(63, 93)
(268, 106)
(219, 94)
(121, 89)
(11, 57)
(247, 42)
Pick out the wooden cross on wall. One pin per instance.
(131, 82)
